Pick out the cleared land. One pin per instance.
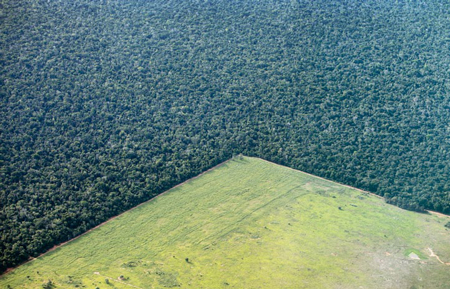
(253, 224)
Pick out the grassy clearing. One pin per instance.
(252, 224)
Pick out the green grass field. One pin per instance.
(252, 224)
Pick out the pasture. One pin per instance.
(252, 224)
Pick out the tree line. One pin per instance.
(106, 104)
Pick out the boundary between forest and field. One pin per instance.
(187, 181)
(8, 270)
(362, 191)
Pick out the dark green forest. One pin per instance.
(107, 103)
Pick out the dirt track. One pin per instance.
(437, 257)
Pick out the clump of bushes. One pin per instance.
(47, 285)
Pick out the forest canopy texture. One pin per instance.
(105, 104)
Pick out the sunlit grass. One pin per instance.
(251, 224)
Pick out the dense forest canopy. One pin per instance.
(105, 104)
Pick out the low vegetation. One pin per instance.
(105, 104)
(252, 224)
